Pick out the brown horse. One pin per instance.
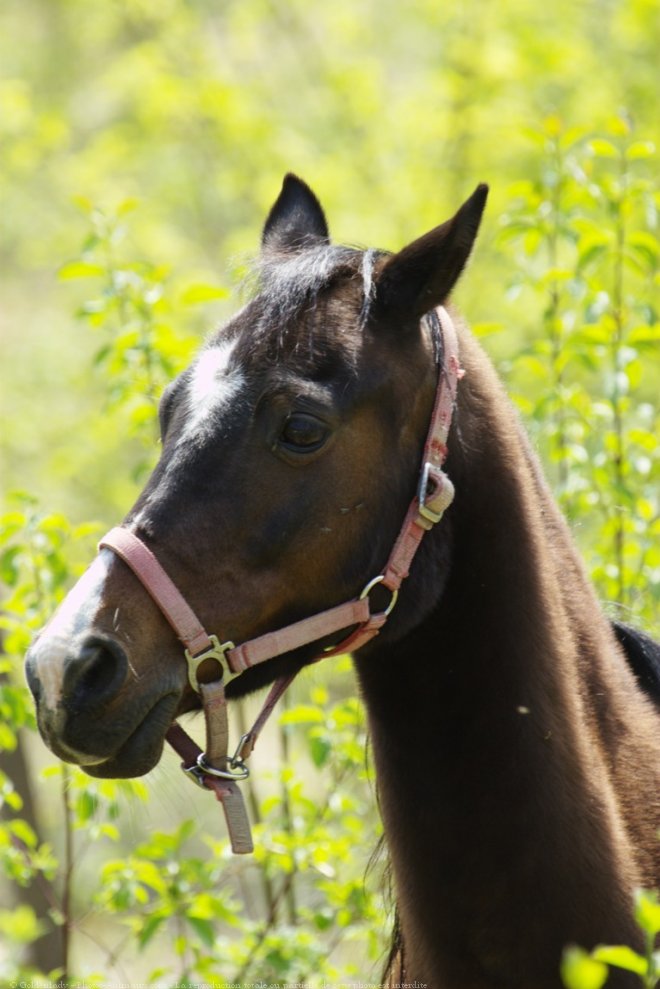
(517, 755)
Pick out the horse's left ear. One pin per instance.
(422, 275)
(296, 219)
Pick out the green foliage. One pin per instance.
(143, 142)
(36, 567)
(586, 232)
(582, 970)
(132, 308)
(192, 894)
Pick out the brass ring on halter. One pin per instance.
(372, 583)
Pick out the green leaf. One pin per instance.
(647, 247)
(323, 921)
(9, 564)
(7, 738)
(302, 714)
(51, 772)
(622, 956)
(127, 205)
(204, 930)
(83, 203)
(20, 924)
(602, 148)
(486, 329)
(10, 797)
(149, 928)
(86, 806)
(589, 254)
(22, 830)
(79, 269)
(647, 911)
(185, 831)
(320, 749)
(201, 292)
(640, 149)
(580, 971)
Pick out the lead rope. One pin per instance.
(213, 768)
(226, 791)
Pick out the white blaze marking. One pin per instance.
(76, 614)
(211, 387)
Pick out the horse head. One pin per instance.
(290, 450)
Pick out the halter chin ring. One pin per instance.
(369, 587)
(201, 768)
(236, 769)
(217, 651)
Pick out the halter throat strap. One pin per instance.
(214, 769)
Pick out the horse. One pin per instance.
(517, 750)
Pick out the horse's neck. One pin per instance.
(496, 797)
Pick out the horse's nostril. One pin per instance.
(97, 672)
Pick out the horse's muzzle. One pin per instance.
(86, 710)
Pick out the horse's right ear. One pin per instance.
(421, 276)
(296, 220)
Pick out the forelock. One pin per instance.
(287, 286)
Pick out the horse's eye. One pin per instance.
(303, 433)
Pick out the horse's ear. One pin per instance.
(421, 276)
(296, 220)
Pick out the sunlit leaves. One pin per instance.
(37, 566)
(647, 911)
(20, 925)
(198, 292)
(22, 857)
(582, 970)
(593, 256)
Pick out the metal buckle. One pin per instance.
(447, 489)
(217, 651)
(372, 583)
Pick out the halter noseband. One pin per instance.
(214, 769)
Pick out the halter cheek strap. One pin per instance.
(214, 769)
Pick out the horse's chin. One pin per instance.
(142, 749)
(120, 769)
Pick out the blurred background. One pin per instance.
(141, 145)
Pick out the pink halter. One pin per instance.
(214, 769)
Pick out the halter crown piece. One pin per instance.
(214, 769)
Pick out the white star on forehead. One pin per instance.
(212, 385)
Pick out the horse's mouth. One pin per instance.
(143, 748)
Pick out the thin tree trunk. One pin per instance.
(45, 953)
